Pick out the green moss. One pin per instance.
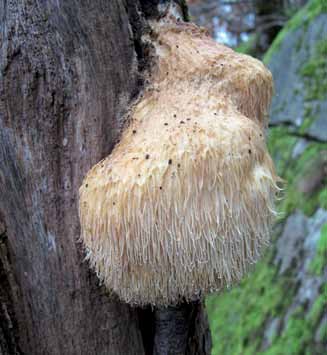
(237, 316)
(247, 47)
(302, 18)
(280, 146)
(295, 170)
(296, 200)
(322, 198)
(307, 122)
(317, 310)
(322, 336)
(320, 261)
(296, 336)
(314, 73)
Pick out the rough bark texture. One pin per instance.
(68, 70)
(179, 330)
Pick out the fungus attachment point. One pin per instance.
(178, 233)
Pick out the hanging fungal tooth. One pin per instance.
(154, 239)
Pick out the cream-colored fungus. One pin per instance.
(185, 201)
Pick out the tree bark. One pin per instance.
(68, 71)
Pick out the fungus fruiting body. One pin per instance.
(184, 203)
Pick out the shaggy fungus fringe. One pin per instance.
(184, 203)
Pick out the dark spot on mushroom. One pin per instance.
(177, 46)
(215, 113)
(134, 131)
(114, 203)
(175, 115)
(139, 175)
(188, 119)
(170, 161)
(250, 151)
(147, 156)
(249, 138)
(221, 64)
(178, 165)
(160, 187)
(86, 185)
(181, 122)
(166, 124)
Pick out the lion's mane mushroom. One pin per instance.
(184, 203)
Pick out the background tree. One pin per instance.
(68, 70)
(238, 21)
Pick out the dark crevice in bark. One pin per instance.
(199, 337)
(151, 10)
(172, 326)
(8, 324)
(142, 49)
(150, 7)
(175, 330)
(147, 328)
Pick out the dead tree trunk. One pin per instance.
(68, 70)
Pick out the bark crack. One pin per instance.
(8, 324)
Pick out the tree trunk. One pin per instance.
(68, 70)
(268, 22)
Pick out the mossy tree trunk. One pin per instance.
(68, 70)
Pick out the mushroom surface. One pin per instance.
(184, 203)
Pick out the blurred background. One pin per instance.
(280, 308)
(251, 25)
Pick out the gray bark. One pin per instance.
(179, 330)
(68, 70)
